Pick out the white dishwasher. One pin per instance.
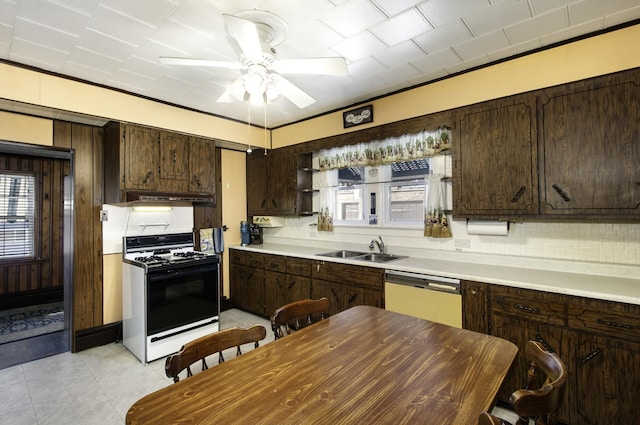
(428, 297)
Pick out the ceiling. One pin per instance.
(388, 45)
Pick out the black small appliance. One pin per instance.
(256, 234)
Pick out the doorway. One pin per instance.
(36, 227)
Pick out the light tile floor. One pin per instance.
(95, 386)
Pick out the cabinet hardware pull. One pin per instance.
(614, 324)
(334, 293)
(353, 297)
(542, 341)
(528, 308)
(147, 177)
(197, 179)
(561, 192)
(518, 194)
(174, 155)
(291, 285)
(591, 355)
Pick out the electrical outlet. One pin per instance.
(461, 243)
(104, 215)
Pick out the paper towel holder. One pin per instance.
(487, 227)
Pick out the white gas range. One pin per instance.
(170, 296)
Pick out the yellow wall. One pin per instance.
(112, 288)
(587, 58)
(26, 129)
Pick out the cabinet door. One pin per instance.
(247, 289)
(174, 156)
(605, 378)
(201, 166)
(275, 291)
(495, 159)
(590, 135)
(282, 193)
(474, 306)
(330, 290)
(298, 288)
(140, 158)
(519, 332)
(257, 183)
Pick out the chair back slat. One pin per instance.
(197, 350)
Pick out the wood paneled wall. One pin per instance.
(86, 142)
(44, 271)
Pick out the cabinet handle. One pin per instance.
(527, 308)
(274, 203)
(334, 293)
(174, 155)
(542, 341)
(147, 177)
(291, 284)
(197, 179)
(591, 355)
(614, 324)
(353, 297)
(518, 194)
(561, 192)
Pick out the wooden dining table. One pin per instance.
(364, 365)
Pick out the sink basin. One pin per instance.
(342, 254)
(364, 256)
(379, 258)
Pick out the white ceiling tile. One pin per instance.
(44, 36)
(174, 85)
(497, 16)
(299, 14)
(352, 17)
(622, 17)
(24, 51)
(107, 46)
(93, 60)
(314, 40)
(534, 27)
(393, 7)
(52, 15)
(200, 16)
(442, 12)
(542, 6)
(184, 39)
(120, 26)
(399, 54)
(85, 7)
(359, 46)
(442, 37)
(401, 73)
(7, 11)
(365, 67)
(437, 61)
(571, 32)
(401, 27)
(150, 12)
(482, 45)
(463, 66)
(517, 49)
(587, 10)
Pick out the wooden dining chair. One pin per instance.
(199, 349)
(543, 403)
(298, 314)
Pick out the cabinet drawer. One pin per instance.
(254, 259)
(606, 317)
(299, 266)
(533, 305)
(276, 263)
(237, 257)
(369, 277)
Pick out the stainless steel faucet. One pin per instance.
(380, 244)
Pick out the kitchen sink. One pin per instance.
(342, 254)
(379, 258)
(364, 256)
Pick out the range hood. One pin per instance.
(159, 198)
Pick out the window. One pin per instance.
(406, 192)
(350, 195)
(17, 215)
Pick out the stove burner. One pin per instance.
(150, 259)
(189, 254)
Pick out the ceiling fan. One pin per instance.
(256, 32)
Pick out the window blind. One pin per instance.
(17, 215)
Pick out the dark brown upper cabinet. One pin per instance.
(590, 147)
(271, 182)
(495, 159)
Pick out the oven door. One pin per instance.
(182, 294)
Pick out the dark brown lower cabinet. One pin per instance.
(343, 296)
(598, 340)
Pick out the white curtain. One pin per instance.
(436, 223)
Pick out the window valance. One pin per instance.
(407, 147)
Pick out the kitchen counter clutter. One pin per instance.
(621, 286)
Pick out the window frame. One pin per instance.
(35, 214)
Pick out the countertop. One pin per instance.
(611, 288)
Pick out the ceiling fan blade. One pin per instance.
(246, 34)
(316, 66)
(300, 98)
(200, 62)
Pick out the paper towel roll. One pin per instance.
(488, 227)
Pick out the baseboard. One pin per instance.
(24, 299)
(95, 337)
